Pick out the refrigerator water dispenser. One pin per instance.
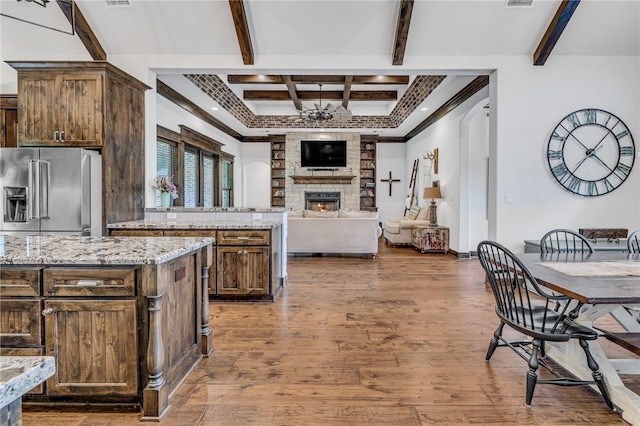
(15, 204)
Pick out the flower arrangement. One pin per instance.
(165, 184)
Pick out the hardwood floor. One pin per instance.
(395, 340)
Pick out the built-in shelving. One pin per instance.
(278, 171)
(368, 172)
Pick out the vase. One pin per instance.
(165, 199)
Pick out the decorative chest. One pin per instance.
(430, 239)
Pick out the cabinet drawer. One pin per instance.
(242, 238)
(19, 282)
(89, 282)
(20, 322)
(38, 390)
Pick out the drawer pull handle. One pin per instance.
(243, 238)
(88, 283)
(48, 311)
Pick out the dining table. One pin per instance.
(601, 284)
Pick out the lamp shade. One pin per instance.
(432, 192)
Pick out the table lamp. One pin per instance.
(432, 192)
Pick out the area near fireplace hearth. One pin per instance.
(324, 188)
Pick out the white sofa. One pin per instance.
(348, 232)
(397, 230)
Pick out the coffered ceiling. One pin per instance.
(258, 62)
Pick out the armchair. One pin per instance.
(397, 230)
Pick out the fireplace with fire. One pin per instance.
(322, 201)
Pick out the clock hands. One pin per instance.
(590, 153)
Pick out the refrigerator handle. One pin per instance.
(33, 202)
(45, 179)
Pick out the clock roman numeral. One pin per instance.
(574, 120)
(623, 168)
(554, 155)
(574, 185)
(558, 136)
(607, 185)
(590, 116)
(626, 151)
(592, 189)
(560, 171)
(622, 134)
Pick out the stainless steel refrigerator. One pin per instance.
(50, 191)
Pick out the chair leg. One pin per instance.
(495, 340)
(597, 375)
(532, 375)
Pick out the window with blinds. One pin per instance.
(190, 178)
(166, 163)
(227, 183)
(208, 183)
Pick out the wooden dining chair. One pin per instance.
(564, 240)
(633, 242)
(525, 306)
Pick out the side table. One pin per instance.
(430, 239)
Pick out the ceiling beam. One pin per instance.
(82, 28)
(178, 99)
(402, 31)
(554, 31)
(457, 99)
(306, 95)
(242, 30)
(347, 90)
(292, 92)
(316, 79)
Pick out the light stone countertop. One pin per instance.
(20, 374)
(195, 224)
(74, 250)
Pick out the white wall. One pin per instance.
(529, 102)
(477, 140)
(391, 157)
(256, 189)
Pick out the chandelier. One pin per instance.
(320, 113)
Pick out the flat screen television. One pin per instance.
(323, 153)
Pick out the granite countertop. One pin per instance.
(20, 374)
(195, 224)
(73, 250)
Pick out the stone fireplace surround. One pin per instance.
(349, 192)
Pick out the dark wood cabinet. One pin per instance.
(8, 121)
(243, 271)
(95, 346)
(91, 105)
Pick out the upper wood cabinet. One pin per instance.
(91, 105)
(65, 110)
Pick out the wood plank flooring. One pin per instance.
(395, 340)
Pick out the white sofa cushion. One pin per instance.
(314, 213)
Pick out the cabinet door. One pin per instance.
(81, 109)
(38, 108)
(95, 346)
(243, 270)
(256, 270)
(229, 265)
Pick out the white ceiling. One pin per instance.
(349, 32)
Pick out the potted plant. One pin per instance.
(167, 188)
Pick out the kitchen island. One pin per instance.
(250, 260)
(124, 318)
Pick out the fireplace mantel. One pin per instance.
(342, 179)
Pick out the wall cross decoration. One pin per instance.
(391, 181)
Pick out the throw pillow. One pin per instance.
(413, 213)
(424, 214)
(314, 213)
(353, 213)
(294, 213)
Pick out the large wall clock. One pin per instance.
(591, 152)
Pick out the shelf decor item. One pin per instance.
(167, 188)
(433, 193)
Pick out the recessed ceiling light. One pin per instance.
(214, 108)
(424, 109)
